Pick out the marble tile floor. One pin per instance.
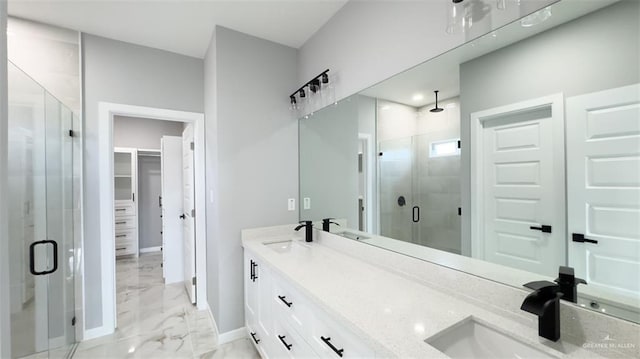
(157, 320)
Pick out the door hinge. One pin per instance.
(193, 280)
(71, 133)
(193, 213)
(193, 145)
(73, 321)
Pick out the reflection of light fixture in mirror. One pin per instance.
(536, 18)
(436, 109)
(385, 107)
(417, 97)
(294, 103)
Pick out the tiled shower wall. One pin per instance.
(431, 183)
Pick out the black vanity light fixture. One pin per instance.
(436, 109)
(314, 84)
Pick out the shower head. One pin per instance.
(436, 109)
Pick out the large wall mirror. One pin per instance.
(530, 159)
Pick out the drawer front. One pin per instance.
(123, 223)
(123, 210)
(330, 339)
(289, 305)
(125, 248)
(126, 235)
(286, 343)
(259, 340)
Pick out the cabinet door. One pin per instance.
(124, 172)
(251, 293)
(265, 315)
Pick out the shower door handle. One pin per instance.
(32, 262)
(416, 214)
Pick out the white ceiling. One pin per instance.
(182, 26)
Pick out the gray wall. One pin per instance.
(5, 338)
(149, 221)
(368, 41)
(329, 163)
(593, 53)
(252, 156)
(118, 72)
(143, 132)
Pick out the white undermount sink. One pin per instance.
(472, 339)
(286, 246)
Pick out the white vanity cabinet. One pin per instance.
(283, 323)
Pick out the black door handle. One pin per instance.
(284, 300)
(288, 346)
(182, 216)
(252, 268)
(254, 265)
(579, 237)
(544, 228)
(253, 335)
(327, 341)
(32, 264)
(416, 214)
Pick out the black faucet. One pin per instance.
(545, 303)
(308, 233)
(326, 223)
(568, 284)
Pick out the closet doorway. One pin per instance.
(144, 154)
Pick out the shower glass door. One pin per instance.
(420, 190)
(41, 210)
(395, 162)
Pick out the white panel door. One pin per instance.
(603, 177)
(522, 170)
(171, 179)
(188, 209)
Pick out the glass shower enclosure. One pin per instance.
(43, 207)
(419, 183)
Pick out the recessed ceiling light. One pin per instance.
(418, 97)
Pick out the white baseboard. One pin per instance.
(232, 335)
(213, 320)
(96, 333)
(151, 249)
(226, 337)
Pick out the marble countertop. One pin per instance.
(392, 313)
